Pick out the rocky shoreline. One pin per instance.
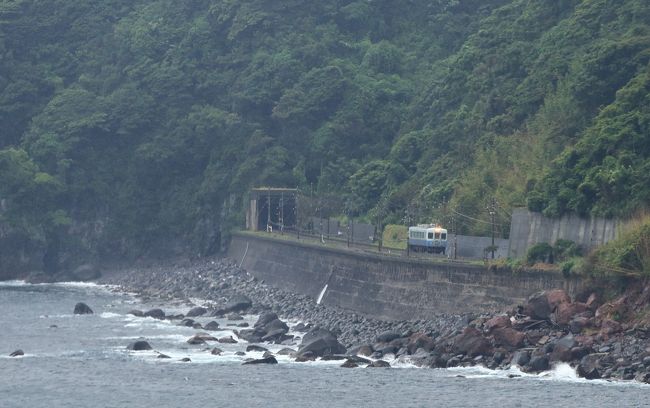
(551, 328)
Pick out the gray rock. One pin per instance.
(17, 353)
(254, 347)
(196, 311)
(268, 360)
(82, 308)
(211, 326)
(520, 358)
(538, 364)
(388, 336)
(155, 314)
(139, 345)
(379, 364)
(320, 342)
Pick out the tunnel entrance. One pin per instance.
(272, 209)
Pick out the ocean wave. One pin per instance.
(561, 372)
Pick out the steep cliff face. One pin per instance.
(135, 128)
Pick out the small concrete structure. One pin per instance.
(272, 208)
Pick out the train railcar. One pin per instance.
(428, 238)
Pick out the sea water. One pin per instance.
(82, 361)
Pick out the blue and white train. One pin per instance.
(428, 238)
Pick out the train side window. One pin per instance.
(443, 236)
(430, 235)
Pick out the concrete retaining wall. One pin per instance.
(472, 247)
(528, 228)
(384, 286)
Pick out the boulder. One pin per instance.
(589, 367)
(509, 337)
(155, 314)
(240, 353)
(379, 364)
(185, 360)
(388, 336)
(538, 364)
(17, 353)
(196, 311)
(320, 342)
(254, 347)
(419, 341)
(609, 326)
(565, 312)
(334, 357)
(578, 323)
(139, 345)
(82, 308)
(472, 342)
(562, 349)
(538, 307)
(363, 350)
(187, 323)
(497, 322)
(349, 364)
(216, 351)
(556, 297)
(267, 354)
(195, 340)
(227, 340)
(268, 360)
(286, 351)
(275, 324)
(265, 318)
(238, 303)
(161, 355)
(234, 317)
(211, 326)
(520, 358)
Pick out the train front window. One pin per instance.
(430, 236)
(443, 236)
(437, 235)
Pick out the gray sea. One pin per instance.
(82, 361)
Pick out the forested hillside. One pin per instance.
(134, 128)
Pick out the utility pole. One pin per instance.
(295, 210)
(282, 213)
(268, 210)
(492, 208)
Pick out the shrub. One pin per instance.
(540, 252)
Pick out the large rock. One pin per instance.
(556, 297)
(609, 326)
(538, 364)
(538, 306)
(212, 326)
(139, 345)
(155, 314)
(275, 324)
(82, 308)
(196, 311)
(238, 303)
(17, 353)
(562, 349)
(268, 360)
(509, 338)
(472, 342)
(418, 341)
(520, 358)
(497, 322)
(265, 318)
(320, 342)
(589, 367)
(565, 312)
(388, 336)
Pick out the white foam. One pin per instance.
(110, 315)
(11, 283)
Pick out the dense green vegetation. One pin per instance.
(135, 128)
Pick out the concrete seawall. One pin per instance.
(384, 286)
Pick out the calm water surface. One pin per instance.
(83, 362)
